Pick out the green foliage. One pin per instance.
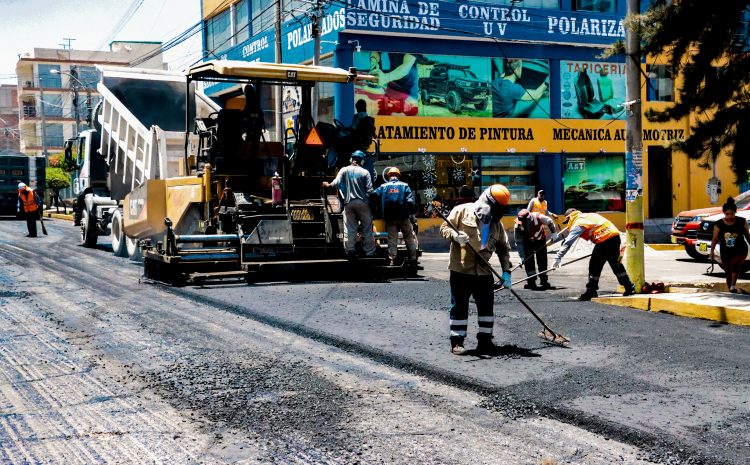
(57, 178)
(709, 49)
(57, 160)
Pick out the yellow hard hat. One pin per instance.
(500, 193)
(394, 172)
(570, 215)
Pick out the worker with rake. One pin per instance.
(531, 243)
(606, 238)
(475, 232)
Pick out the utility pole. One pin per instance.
(74, 87)
(279, 120)
(44, 122)
(315, 24)
(634, 233)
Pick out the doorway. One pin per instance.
(659, 182)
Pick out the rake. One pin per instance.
(547, 334)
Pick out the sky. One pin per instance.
(26, 24)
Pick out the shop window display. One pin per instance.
(594, 183)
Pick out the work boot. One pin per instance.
(531, 285)
(629, 290)
(588, 295)
(545, 285)
(457, 346)
(485, 346)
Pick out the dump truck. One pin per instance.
(137, 135)
(217, 200)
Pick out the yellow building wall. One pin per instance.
(212, 7)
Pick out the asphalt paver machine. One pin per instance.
(250, 207)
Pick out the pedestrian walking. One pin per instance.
(606, 239)
(730, 233)
(28, 207)
(531, 244)
(538, 204)
(355, 187)
(397, 205)
(478, 225)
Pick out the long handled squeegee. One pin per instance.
(548, 335)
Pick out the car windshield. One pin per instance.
(456, 73)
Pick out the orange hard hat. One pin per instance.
(394, 172)
(500, 193)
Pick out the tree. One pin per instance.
(707, 44)
(57, 178)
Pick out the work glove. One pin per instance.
(557, 264)
(506, 280)
(555, 237)
(461, 237)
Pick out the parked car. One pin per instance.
(686, 224)
(455, 85)
(705, 232)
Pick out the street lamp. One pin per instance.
(74, 76)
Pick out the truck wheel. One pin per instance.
(694, 254)
(481, 106)
(425, 96)
(133, 248)
(118, 236)
(88, 230)
(453, 100)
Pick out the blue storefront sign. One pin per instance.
(483, 20)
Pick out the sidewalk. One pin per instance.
(52, 213)
(690, 290)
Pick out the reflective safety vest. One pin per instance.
(535, 227)
(537, 206)
(28, 200)
(596, 228)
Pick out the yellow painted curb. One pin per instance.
(58, 216)
(666, 246)
(663, 303)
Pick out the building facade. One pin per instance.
(9, 133)
(57, 90)
(472, 93)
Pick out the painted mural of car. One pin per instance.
(456, 85)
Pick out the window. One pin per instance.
(660, 86)
(88, 77)
(600, 6)
(53, 105)
(325, 95)
(594, 183)
(54, 135)
(292, 8)
(241, 24)
(47, 79)
(262, 11)
(516, 172)
(545, 4)
(218, 33)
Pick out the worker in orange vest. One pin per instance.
(538, 204)
(28, 207)
(606, 239)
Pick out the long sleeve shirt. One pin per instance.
(463, 259)
(353, 182)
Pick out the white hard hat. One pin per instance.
(21, 185)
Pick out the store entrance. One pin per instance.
(659, 182)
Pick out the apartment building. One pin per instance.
(57, 90)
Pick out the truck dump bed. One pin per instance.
(143, 125)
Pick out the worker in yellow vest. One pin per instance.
(606, 239)
(28, 207)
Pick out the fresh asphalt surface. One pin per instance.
(675, 389)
